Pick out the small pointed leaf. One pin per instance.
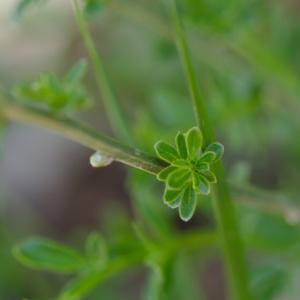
(188, 204)
(164, 173)
(178, 178)
(172, 197)
(202, 166)
(180, 163)
(166, 151)
(181, 145)
(204, 186)
(194, 142)
(207, 157)
(210, 176)
(217, 148)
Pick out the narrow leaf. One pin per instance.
(180, 163)
(194, 142)
(207, 157)
(166, 151)
(196, 181)
(49, 255)
(204, 186)
(172, 197)
(178, 178)
(164, 173)
(202, 166)
(217, 148)
(181, 145)
(210, 176)
(188, 204)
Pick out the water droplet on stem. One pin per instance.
(98, 160)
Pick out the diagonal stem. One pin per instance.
(81, 134)
(112, 107)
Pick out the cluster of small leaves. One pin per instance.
(66, 94)
(189, 172)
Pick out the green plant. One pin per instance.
(189, 171)
(192, 170)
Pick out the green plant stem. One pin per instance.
(81, 134)
(112, 107)
(246, 195)
(223, 205)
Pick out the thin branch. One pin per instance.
(82, 135)
(249, 196)
(112, 107)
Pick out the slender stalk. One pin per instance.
(113, 110)
(246, 195)
(81, 134)
(223, 206)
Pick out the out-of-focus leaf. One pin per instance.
(77, 72)
(96, 250)
(268, 232)
(45, 254)
(267, 280)
(154, 283)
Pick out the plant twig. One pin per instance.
(245, 196)
(81, 134)
(223, 205)
(112, 107)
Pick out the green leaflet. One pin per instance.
(181, 145)
(172, 197)
(49, 255)
(194, 142)
(178, 178)
(217, 148)
(207, 157)
(166, 151)
(164, 173)
(204, 186)
(188, 204)
(209, 176)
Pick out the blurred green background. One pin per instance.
(246, 54)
